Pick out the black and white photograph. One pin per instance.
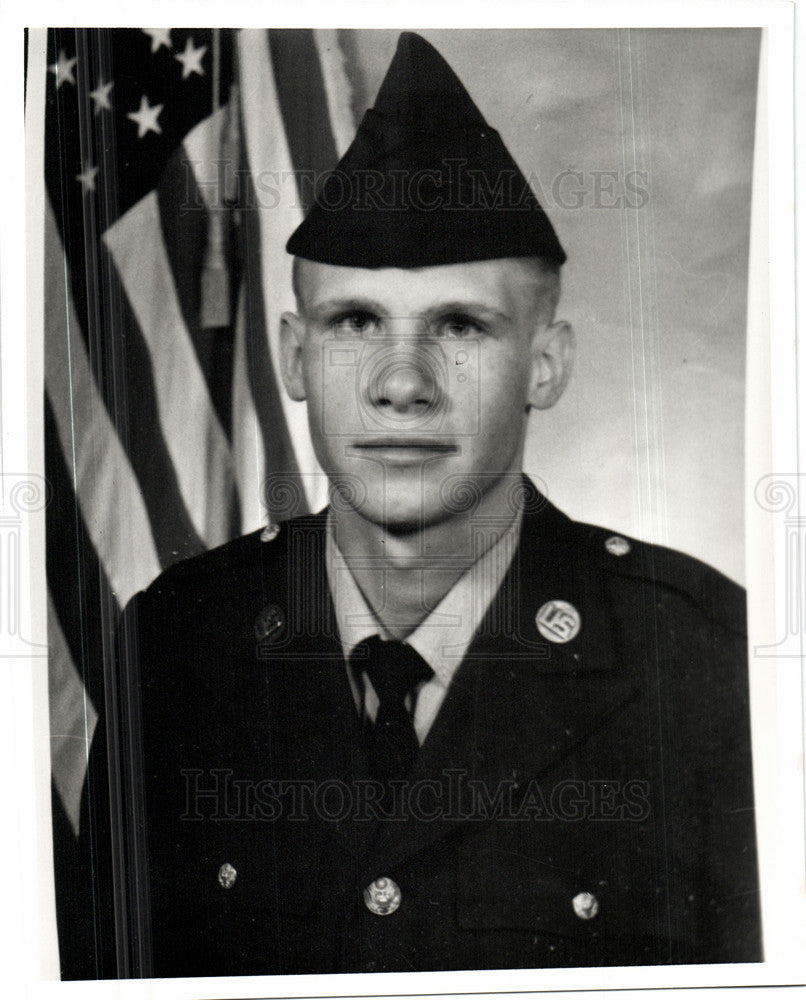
(412, 542)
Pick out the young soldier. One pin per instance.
(438, 725)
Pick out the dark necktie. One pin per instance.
(395, 670)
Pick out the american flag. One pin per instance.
(172, 167)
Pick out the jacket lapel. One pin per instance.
(316, 732)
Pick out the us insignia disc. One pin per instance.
(558, 621)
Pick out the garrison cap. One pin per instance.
(425, 182)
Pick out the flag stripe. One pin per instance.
(77, 581)
(182, 230)
(303, 105)
(131, 397)
(196, 443)
(72, 721)
(184, 222)
(248, 445)
(107, 491)
(202, 156)
(70, 232)
(279, 459)
(278, 212)
(305, 113)
(338, 92)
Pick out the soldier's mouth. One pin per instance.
(398, 449)
(431, 444)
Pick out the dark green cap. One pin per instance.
(425, 182)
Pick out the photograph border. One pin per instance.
(772, 450)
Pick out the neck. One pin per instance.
(403, 575)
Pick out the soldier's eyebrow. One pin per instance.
(333, 307)
(452, 307)
(461, 307)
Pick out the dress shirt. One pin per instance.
(442, 638)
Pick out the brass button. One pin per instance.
(382, 896)
(617, 546)
(269, 624)
(270, 532)
(586, 905)
(227, 876)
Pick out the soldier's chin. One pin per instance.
(397, 510)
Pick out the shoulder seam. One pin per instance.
(715, 594)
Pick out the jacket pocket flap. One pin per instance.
(504, 890)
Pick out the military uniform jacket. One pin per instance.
(576, 803)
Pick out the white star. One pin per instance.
(63, 69)
(191, 59)
(87, 177)
(159, 37)
(146, 118)
(101, 95)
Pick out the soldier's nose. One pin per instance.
(404, 380)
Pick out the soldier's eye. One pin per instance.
(355, 324)
(457, 327)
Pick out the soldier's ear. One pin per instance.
(292, 338)
(552, 361)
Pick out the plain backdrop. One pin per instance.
(640, 146)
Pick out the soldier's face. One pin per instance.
(418, 381)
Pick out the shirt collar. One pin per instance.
(442, 639)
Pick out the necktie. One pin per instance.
(395, 669)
